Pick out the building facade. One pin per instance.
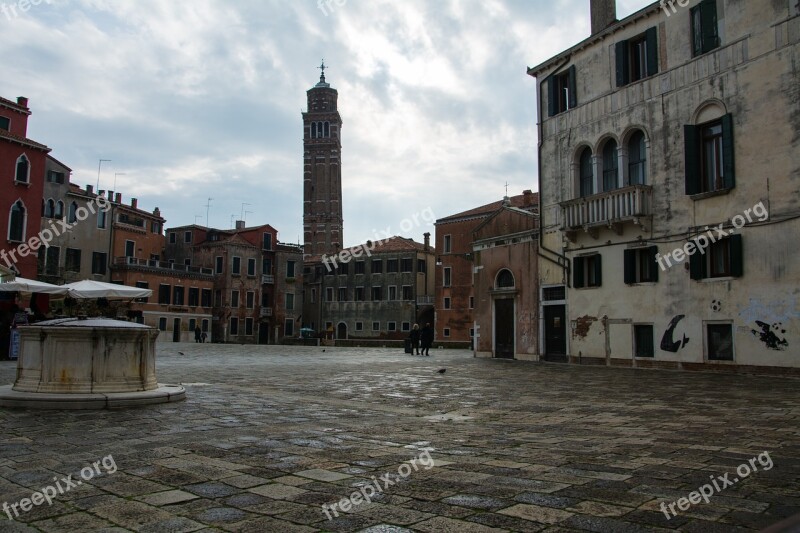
(669, 171)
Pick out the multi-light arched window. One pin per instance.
(610, 165)
(637, 159)
(59, 211)
(505, 279)
(320, 130)
(586, 174)
(23, 172)
(73, 213)
(49, 208)
(16, 222)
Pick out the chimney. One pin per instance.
(90, 189)
(240, 224)
(527, 198)
(110, 196)
(134, 203)
(603, 14)
(157, 212)
(427, 236)
(22, 101)
(101, 192)
(118, 198)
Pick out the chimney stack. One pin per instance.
(240, 224)
(134, 203)
(118, 198)
(527, 195)
(427, 236)
(90, 189)
(603, 14)
(22, 101)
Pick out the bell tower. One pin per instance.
(322, 171)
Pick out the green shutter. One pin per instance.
(630, 266)
(598, 270)
(737, 257)
(551, 96)
(652, 51)
(692, 155)
(573, 88)
(728, 171)
(653, 253)
(577, 272)
(697, 266)
(708, 13)
(622, 63)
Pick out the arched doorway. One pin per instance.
(341, 331)
(504, 312)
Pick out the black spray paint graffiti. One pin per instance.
(667, 342)
(768, 337)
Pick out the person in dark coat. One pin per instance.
(415, 335)
(427, 339)
(198, 334)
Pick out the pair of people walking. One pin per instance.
(421, 339)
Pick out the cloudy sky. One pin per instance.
(200, 99)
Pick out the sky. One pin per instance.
(202, 99)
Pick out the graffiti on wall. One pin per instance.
(668, 343)
(769, 318)
(768, 334)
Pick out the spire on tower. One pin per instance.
(322, 82)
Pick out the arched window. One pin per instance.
(101, 219)
(73, 210)
(637, 159)
(59, 212)
(505, 279)
(313, 130)
(327, 130)
(23, 169)
(16, 222)
(610, 165)
(49, 208)
(586, 173)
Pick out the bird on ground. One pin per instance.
(442, 370)
(181, 353)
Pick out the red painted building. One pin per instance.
(22, 175)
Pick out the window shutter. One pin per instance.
(577, 272)
(728, 172)
(697, 266)
(692, 155)
(621, 54)
(656, 267)
(598, 270)
(630, 266)
(737, 257)
(573, 92)
(551, 96)
(708, 14)
(652, 51)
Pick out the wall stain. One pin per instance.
(667, 342)
(582, 326)
(768, 335)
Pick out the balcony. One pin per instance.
(266, 311)
(152, 264)
(425, 300)
(267, 279)
(609, 209)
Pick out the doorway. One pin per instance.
(555, 333)
(263, 334)
(341, 331)
(504, 328)
(176, 330)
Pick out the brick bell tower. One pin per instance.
(322, 171)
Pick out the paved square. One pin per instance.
(268, 435)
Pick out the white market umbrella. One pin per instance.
(96, 289)
(32, 286)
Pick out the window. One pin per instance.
(376, 326)
(164, 294)
(392, 293)
(407, 293)
(289, 301)
(313, 296)
(587, 271)
(73, 260)
(172, 237)
(719, 342)
(561, 92)
(59, 210)
(72, 215)
(448, 248)
(102, 218)
(359, 294)
(162, 324)
(392, 326)
(219, 264)
(5, 123)
(266, 266)
(360, 268)
(406, 326)
(187, 237)
(448, 275)
(54, 176)
(234, 298)
(344, 269)
(290, 269)
(205, 325)
(251, 267)
(248, 326)
(359, 326)
(194, 297)
(406, 265)
(250, 300)
(377, 266)
(49, 208)
(709, 156)
(446, 332)
(288, 327)
(722, 259)
(23, 174)
(586, 173)
(505, 279)
(328, 294)
(99, 262)
(377, 294)
(17, 219)
(637, 58)
(342, 294)
(447, 302)
(392, 266)
(610, 165)
(637, 159)
(205, 298)
(265, 299)
(421, 266)
(640, 265)
(155, 227)
(705, 35)
(187, 263)
(267, 242)
(51, 256)
(234, 326)
(142, 285)
(130, 249)
(177, 295)
(472, 302)
(643, 340)
(236, 266)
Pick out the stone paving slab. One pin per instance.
(268, 435)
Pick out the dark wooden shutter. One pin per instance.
(708, 14)
(630, 266)
(692, 155)
(737, 257)
(573, 91)
(621, 54)
(728, 171)
(653, 252)
(551, 96)
(577, 272)
(598, 270)
(697, 266)
(652, 51)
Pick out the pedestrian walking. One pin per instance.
(198, 334)
(415, 336)
(427, 339)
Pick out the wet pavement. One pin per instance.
(268, 435)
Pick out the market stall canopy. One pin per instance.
(32, 286)
(95, 289)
